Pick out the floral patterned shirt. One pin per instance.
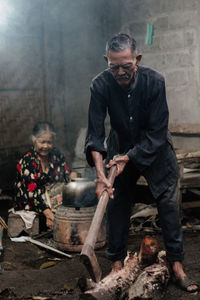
(31, 180)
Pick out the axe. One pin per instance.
(87, 256)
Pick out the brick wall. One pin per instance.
(174, 51)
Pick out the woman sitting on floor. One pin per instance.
(40, 169)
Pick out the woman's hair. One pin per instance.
(41, 128)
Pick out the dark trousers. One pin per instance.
(119, 212)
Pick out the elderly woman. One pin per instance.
(39, 168)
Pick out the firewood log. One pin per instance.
(115, 284)
(138, 279)
(151, 281)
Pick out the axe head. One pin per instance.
(88, 258)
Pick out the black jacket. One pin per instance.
(139, 119)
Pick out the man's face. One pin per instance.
(123, 65)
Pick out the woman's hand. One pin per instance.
(49, 217)
(73, 174)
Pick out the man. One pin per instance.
(135, 99)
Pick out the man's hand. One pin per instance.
(104, 185)
(102, 182)
(120, 161)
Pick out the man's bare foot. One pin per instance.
(116, 266)
(181, 278)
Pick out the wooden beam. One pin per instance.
(185, 129)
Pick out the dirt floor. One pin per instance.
(22, 277)
(23, 274)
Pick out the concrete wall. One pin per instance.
(22, 100)
(175, 50)
(50, 50)
(74, 56)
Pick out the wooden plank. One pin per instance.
(190, 180)
(192, 204)
(188, 156)
(185, 129)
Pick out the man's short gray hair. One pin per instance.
(120, 42)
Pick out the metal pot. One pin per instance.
(73, 218)
(80, 192)
(71, 226)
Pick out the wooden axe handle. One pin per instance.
(88, 256)
(100, 210)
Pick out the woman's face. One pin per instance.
(44, 144)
